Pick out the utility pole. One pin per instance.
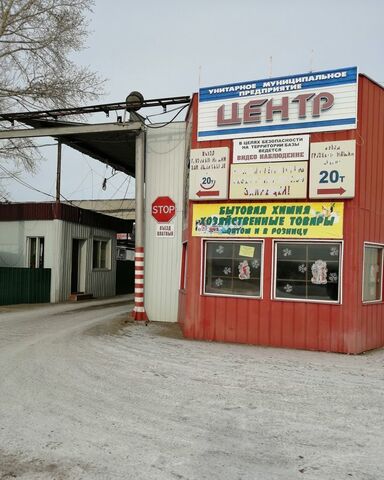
(139, 313)
(58, 171)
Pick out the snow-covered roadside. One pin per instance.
(82, 398)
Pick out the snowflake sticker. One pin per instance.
(255, 264)
(332, 277)
(287, 252)
(302, 268)
(288, 288)
(227, 270)
(334, 252)
(219, 282)
(220, 249)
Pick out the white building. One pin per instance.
(75, 247)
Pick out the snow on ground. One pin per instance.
(84, 396)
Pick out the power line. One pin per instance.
(167, 123)
(17, 147)
(27, 185)
(4, 198)
(125, 194)
(80, 184)
(121, 184)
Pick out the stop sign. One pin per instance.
(163, 209)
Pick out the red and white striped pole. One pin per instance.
(139, 313)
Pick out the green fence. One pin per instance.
(24, 285)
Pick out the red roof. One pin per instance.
(61, 211)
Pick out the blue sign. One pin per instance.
(315, 101)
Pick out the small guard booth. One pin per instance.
(284, 227)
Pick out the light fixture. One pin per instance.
(134, 101)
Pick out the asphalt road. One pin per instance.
(87, 394)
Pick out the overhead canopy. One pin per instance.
(110, 143)
(115, 147)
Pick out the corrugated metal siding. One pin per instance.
(99, 283)
(165, 155)
(351, 327)
(367, 217)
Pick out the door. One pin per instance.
(75, 266)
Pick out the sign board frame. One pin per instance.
(268, 181)
(332, 169)
(302, 103)
(271, 149)
(165, 230)
(208, 175)
(315, 220)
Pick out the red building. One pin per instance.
(266, 266)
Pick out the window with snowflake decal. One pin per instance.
(233, 268)
(373, 273)
(310, 272)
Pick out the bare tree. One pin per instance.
(37, 39)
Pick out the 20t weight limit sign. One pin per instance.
(208, 175)
(163, 209)
(328, 179)
(332, 169)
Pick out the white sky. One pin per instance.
(160, 47)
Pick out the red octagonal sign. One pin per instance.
(163, 209)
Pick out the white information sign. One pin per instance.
(332, 169)
(165, 230)
(269, 180)
(296, 104)
(271, 149)
(208, 177)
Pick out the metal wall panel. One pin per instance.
(165, 154)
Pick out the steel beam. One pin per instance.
(105, 108)
(70, 130)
